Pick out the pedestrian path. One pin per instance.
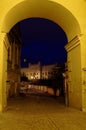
(36, 112)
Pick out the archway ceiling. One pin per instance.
(42, 9)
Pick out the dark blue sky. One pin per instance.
(43, 41)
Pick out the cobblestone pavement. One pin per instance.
(38, 112)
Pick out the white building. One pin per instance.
(32, 72)
(47, 71)
(37, 71)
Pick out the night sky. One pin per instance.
(43, 40)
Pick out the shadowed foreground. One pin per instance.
(38, 112)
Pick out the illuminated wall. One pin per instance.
(74, 73)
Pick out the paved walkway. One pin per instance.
(38, 112)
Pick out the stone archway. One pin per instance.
(61, 14)
(48, 9)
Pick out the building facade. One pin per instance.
(13, 61)
(38, 71)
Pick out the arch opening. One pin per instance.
(48, 42)
(49, 10)
(43, 33)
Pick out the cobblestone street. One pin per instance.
(40, 112)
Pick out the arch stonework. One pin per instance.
(71, 17)
(48, 9)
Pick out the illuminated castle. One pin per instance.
(37, 71)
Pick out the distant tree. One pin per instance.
(57, 78)
(24, 78)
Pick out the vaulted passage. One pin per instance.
(71, 18)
